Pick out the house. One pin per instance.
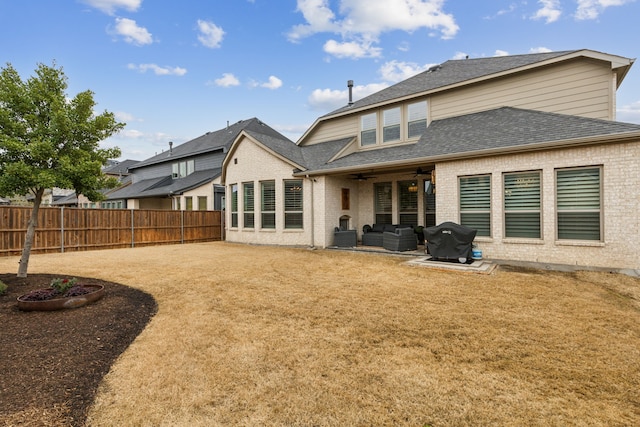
(118, 170)
(187, 176)
(525, 149)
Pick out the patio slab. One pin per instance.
(420, 259)
(478, 266)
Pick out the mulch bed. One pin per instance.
(52, 362)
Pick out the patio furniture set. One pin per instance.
(446, 242)
(393, 237)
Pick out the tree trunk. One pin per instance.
(31, 233)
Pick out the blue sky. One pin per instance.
(174, 70)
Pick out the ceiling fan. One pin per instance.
(361, 177)
(420, 172)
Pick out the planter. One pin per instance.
(97, 291)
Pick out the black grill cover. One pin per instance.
(450, 241)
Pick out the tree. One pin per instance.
(48, 140)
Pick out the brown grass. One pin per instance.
(250, 335)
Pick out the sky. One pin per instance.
(174, 70)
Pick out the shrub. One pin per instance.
(62, 285)
(3, 287)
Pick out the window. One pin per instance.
(391, 125)
(522, 205)
(248, 204)
(178, 203)
(182, 169)
(578, 198)
(368, 124)
(234, 205)
(408, 202)
(202, 203)
(293, 203)
(417, 119)
(383, 203)
(475, 203)
(268, 204)
(188, 203)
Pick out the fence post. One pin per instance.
(181, 227)
(62, 229)
(132, 230)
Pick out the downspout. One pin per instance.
(313, 240)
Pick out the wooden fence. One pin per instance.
(72, 229)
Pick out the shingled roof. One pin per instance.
(219, 140)
(447, 74)
(498, 130)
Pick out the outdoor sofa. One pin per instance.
(401, 239)
(373, 235)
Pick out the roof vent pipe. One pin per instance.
(350, 86)
(170, 147)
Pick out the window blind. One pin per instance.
(578, 204)
(522, 205)
(475, 203)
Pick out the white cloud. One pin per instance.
(133, 34)
(227, 80)
(550, 11)
(130, 134)
(110, 6)
(365, 20)
(158, 70)
(121, 116)
(210, 34)
(460, 55)
(539, 49)
(331, 99)
(396, 71)
(273, 83)
(629, 113)
(354, 50)
(499, 52)
(591, 9)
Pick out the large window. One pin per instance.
(522, 205)
(293, 202)
(268, 204)
(248, 205)
(202, 203)
(417, 119)
(578, 203)
(188, 203)
(368, 125)
(408, 202)
(475, 203)
(183, 168)
(391, 125)
(234, 205)
(383, 203)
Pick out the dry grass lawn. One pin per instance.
(249, 335)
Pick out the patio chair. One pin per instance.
(345, 238)
(402, 239)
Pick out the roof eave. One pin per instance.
(549, 145)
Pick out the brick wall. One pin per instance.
(620, 205)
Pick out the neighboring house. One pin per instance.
(118, 170)
(525, 149)
(186, 177)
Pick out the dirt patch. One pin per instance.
(52, 362)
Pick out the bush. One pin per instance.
(3, 287)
